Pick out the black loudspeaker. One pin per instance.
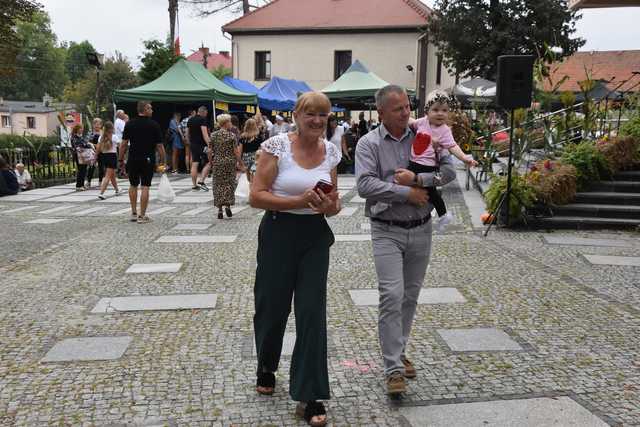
(515, 81)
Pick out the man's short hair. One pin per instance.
(141, 106)
(383, 93)
(202, 109)
(119, 113)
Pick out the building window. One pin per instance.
(439, 70)
(341, 62)
(31, 122)
(263, 65)
(6, 121)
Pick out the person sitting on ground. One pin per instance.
(8, 180)
(24, 177)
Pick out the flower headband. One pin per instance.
(440, 97)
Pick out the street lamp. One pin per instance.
(96, 59)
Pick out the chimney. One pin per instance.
(204, 51)
(224, 53)
(46, 100)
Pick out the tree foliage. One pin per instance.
(206, 8)
(39, 62)
(76, 64)
(12, 12)
(116, 74)
(471, 34)
(221, 72)
(158, 57)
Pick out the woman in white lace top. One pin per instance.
(293, 253)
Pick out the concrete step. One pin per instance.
(616, 186)
(598, 211)
(608, 198)
(627, 176)
(581, 223)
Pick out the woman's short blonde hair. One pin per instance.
(222, 119)
(313, 101)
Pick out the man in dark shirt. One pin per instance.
(198, 139)
(141, 136)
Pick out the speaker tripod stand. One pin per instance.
(506, 196)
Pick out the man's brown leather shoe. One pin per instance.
(395, 383)
(409, 370)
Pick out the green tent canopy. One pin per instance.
(356, 88)
(185, 81)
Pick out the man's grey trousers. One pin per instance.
(401, 257)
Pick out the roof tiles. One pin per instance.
(309, 15)
(612, 66)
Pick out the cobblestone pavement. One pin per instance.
(577, 323)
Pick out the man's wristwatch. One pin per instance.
(415, 178)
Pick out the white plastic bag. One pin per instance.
(165, 192)
(242, 190)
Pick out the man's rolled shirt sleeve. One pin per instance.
(370, 186)
(446, 175)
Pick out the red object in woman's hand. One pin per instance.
(421, 143)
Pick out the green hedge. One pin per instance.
(34, 142)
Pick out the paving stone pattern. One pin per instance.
(88, 349)
(576, 322)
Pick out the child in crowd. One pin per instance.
(432, 137)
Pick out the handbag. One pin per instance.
(87, 156)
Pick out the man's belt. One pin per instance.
(404, 224)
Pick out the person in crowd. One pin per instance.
(346, 124)
(280, 127)
(433, 136)
(141, 137)
(267, 123)
(198, 140)
(8, 180)
(350, 140)
(176, 141)
(363, 126)
(118, 126)
(293, 253)
(250, 141)
(24, 177)
(235, 126)
(263, 128)
(401, 234)
(335, 134)
(94, 137)
(185, 133)
(225, 159)
(121, 121)
(84, 152)
(107, 154)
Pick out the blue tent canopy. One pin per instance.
(241, 85)
(281, 94)
(277, 95)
